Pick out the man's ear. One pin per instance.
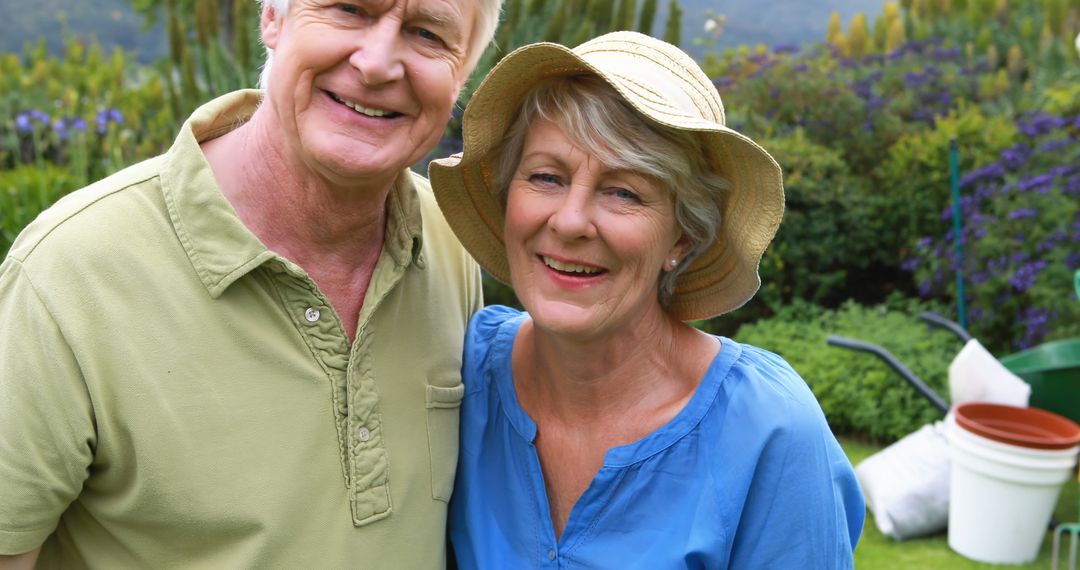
(461, 85)
(269, 26)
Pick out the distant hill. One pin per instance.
(770, 22)
(112, 22)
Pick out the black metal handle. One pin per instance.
(904, 371)
(936, 319)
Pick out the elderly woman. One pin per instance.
(599, 430)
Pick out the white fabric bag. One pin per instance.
(976, 376)
(906, 485)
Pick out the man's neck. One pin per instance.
(334, 233)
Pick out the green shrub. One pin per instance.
(24, 193)
(91, 113)
(913, 180)
(828, 233)
(858, 391)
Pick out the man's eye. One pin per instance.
(428, 35)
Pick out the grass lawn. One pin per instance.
(879, 552)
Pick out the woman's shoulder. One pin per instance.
(488, 323)
(764, 383)
(489, 340)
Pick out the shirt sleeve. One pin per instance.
(476, 290)
(46, 421)
(804, 508)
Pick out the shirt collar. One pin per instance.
(219, 246)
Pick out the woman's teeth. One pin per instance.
(570, 267)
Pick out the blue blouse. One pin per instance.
(747, 475)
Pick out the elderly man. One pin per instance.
(246, 352)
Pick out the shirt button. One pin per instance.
(311, 314)
(551, 554)
(363, 434)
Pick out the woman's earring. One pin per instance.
(674, 262)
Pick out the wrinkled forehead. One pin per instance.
(460, 13)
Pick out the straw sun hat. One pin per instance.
(667, 87)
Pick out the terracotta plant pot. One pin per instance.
(1024, 427)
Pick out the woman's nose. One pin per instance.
(573, 216)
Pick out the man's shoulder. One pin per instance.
(429, 208)
(437, 232)
(85, 215)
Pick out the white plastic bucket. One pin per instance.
(1002, 496)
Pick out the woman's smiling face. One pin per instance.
(587, 244)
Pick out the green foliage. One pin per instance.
(66, 121)
(673, 28)
(85, 110)
(828, 237)
(624, 18)
(25, 192)
(914, 177)
(562, 21)
(600, 13)
(646, 17)
(858, 391)
(210, 48)
(498, 293)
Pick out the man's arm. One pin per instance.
(24, 561)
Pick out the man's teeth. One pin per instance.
(570, 267)
(362, 109)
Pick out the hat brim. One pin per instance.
(721, 279)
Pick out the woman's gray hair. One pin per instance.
(487, 19)
(596, 118)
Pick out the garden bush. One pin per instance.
(83, 110)
(858, 392)
(827, 235)
(25, 192)
(914, 178)
(1021, 227)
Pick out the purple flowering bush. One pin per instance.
(81, 110)
(1020, 239)
(914, 181)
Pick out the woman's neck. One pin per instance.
(641, 370)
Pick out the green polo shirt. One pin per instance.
(173, 394)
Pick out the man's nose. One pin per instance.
(379, 52)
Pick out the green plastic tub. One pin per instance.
(1053, 371)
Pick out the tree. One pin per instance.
(210, 47)
(835, 28)
(896, 36)
(624, 18)
(645, 20)
(881, 32)
(858, 38)
(555, 28)
(673, 29)
(600, 12)
(512, 10)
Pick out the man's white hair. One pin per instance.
(487, 19)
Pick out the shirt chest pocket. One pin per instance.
(443, 420)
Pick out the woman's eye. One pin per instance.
(349, 8)
(543, 178)
(624, 194)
